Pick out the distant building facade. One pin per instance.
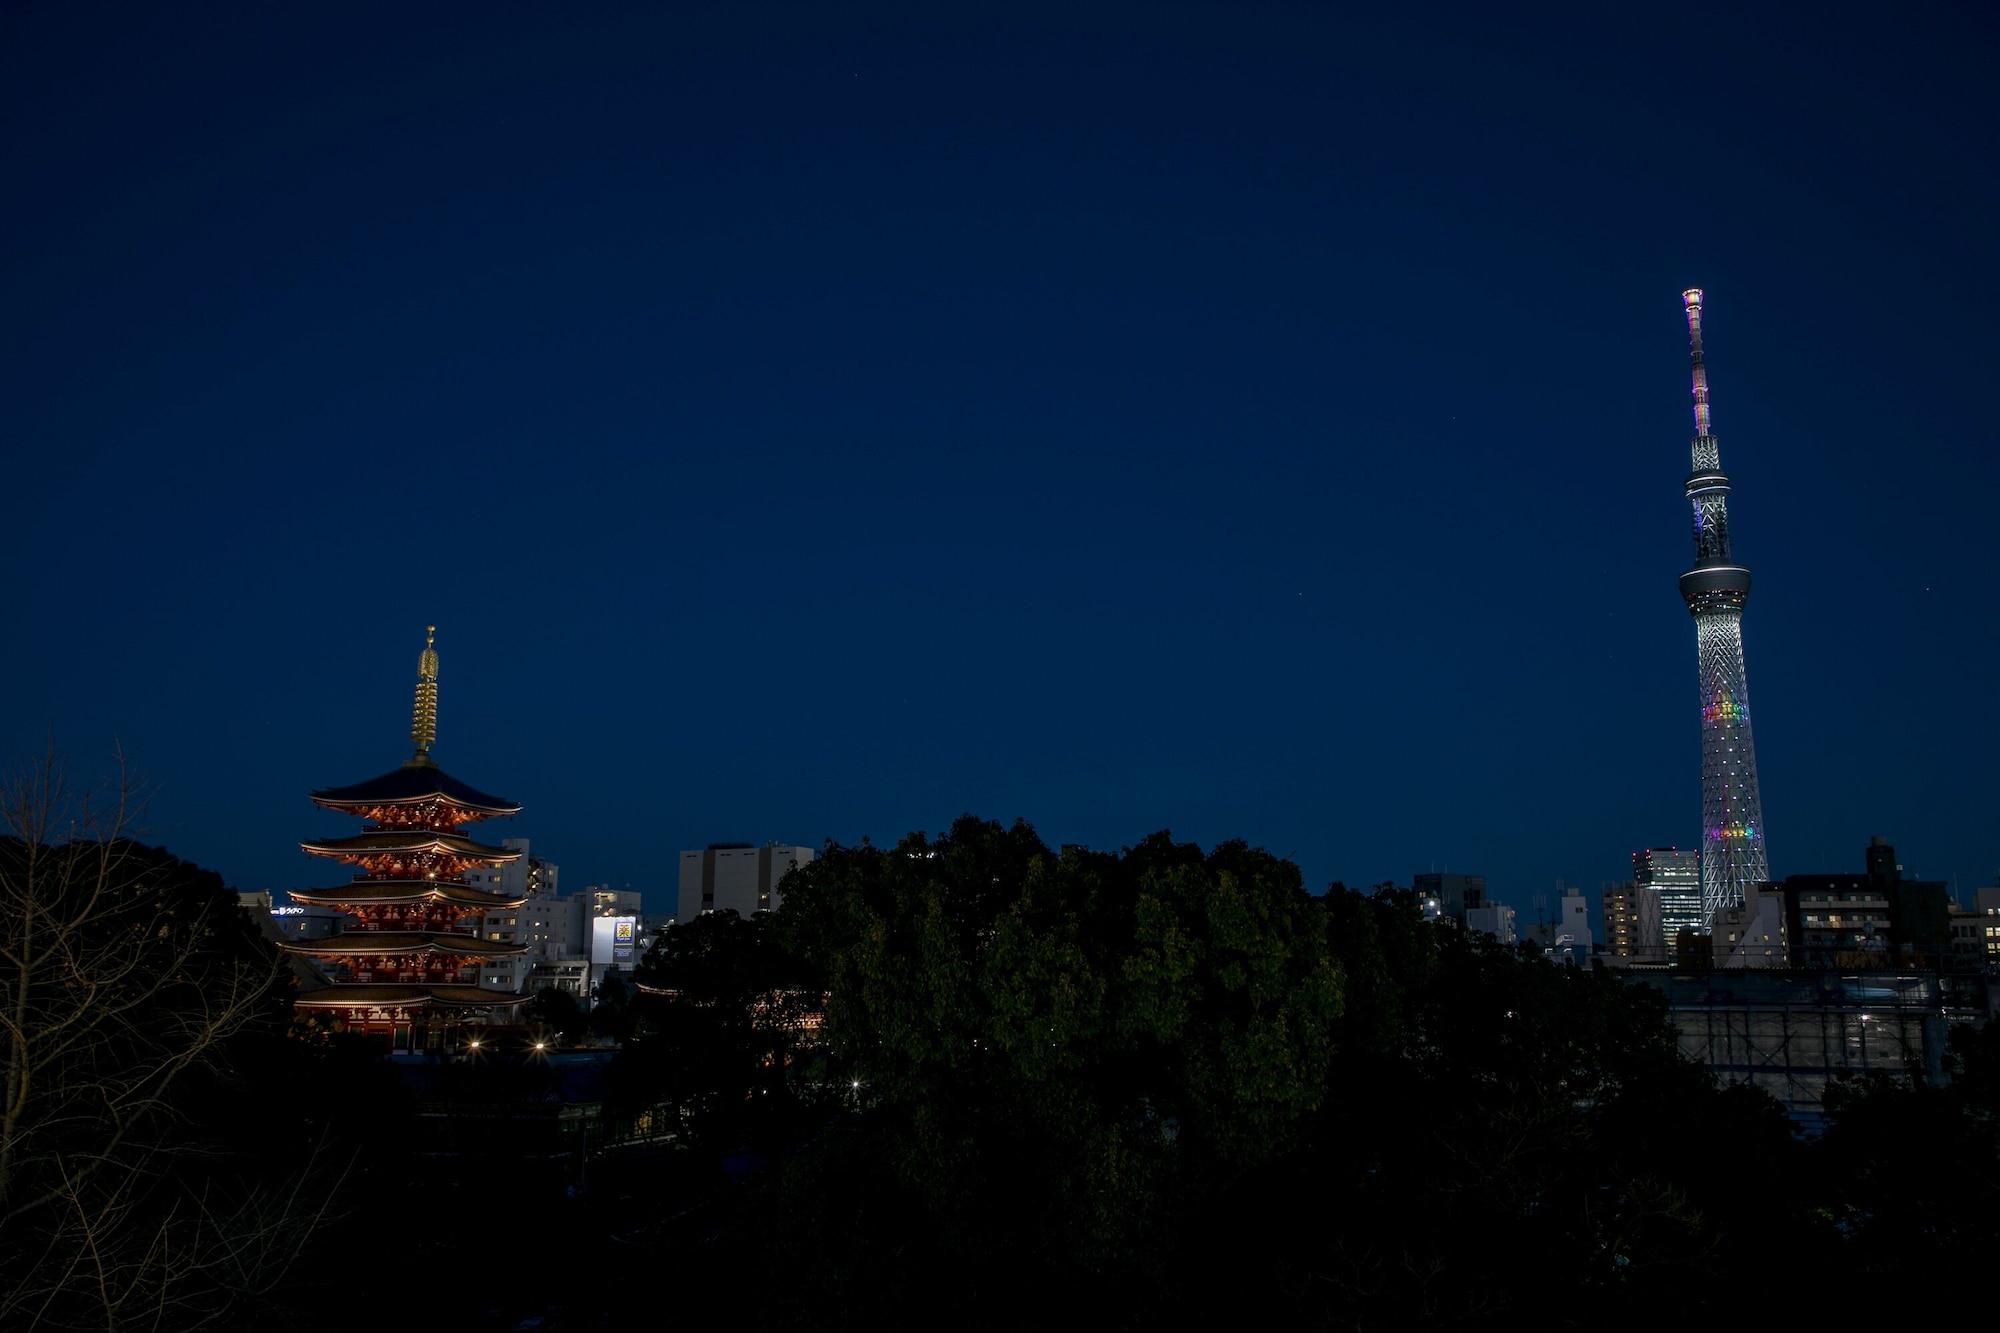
(1975, 933)
(607, 901)
(567, 974)
(1455, 895)
(1872, 920)
(571, 942)
(736, 876)
(1567, 938)
(1633, 933)
(527, 876)
(296, 921)
(289, 920)
(1495, 919)
(1875, 919)
(1462, 900)
(1671, 879)
(1620, 905)
(554, 929)
(1752, 933)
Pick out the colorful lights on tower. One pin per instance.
(1733, 856)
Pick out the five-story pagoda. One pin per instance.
(408, 967)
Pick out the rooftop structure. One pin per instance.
(1733, 856)
(408, 968)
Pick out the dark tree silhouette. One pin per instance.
(128, 979)
(557, 1013)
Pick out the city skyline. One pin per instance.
(1117, 427)
(1071, 604)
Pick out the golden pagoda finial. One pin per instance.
(424, 718)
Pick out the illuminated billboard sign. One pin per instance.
(614, 941)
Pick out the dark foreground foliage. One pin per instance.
(1170, 1087)
(142, 1022)
(973, 1082)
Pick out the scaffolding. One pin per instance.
(1792, 1034)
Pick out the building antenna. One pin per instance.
(1692, 298)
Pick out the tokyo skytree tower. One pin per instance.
(1732, 812)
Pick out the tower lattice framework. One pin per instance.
(1733, 855)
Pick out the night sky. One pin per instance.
(818, 422)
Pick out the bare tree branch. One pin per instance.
(122, 974)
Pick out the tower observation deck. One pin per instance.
(1733, 856)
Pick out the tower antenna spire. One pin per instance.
(1692, 298)
(424, 716)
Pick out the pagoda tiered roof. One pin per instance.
(412, 842)
(368, 892)
(403, 941)
(347, 995)
(410, 855)
(416, 784)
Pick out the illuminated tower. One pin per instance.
(1732, 813)
(408, 966)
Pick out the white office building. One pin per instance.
(736, 876)
(525, 877)
(1568, 938)
(553, 929)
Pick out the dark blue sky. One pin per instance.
(817, 422)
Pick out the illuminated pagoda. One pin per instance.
(408, 967)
